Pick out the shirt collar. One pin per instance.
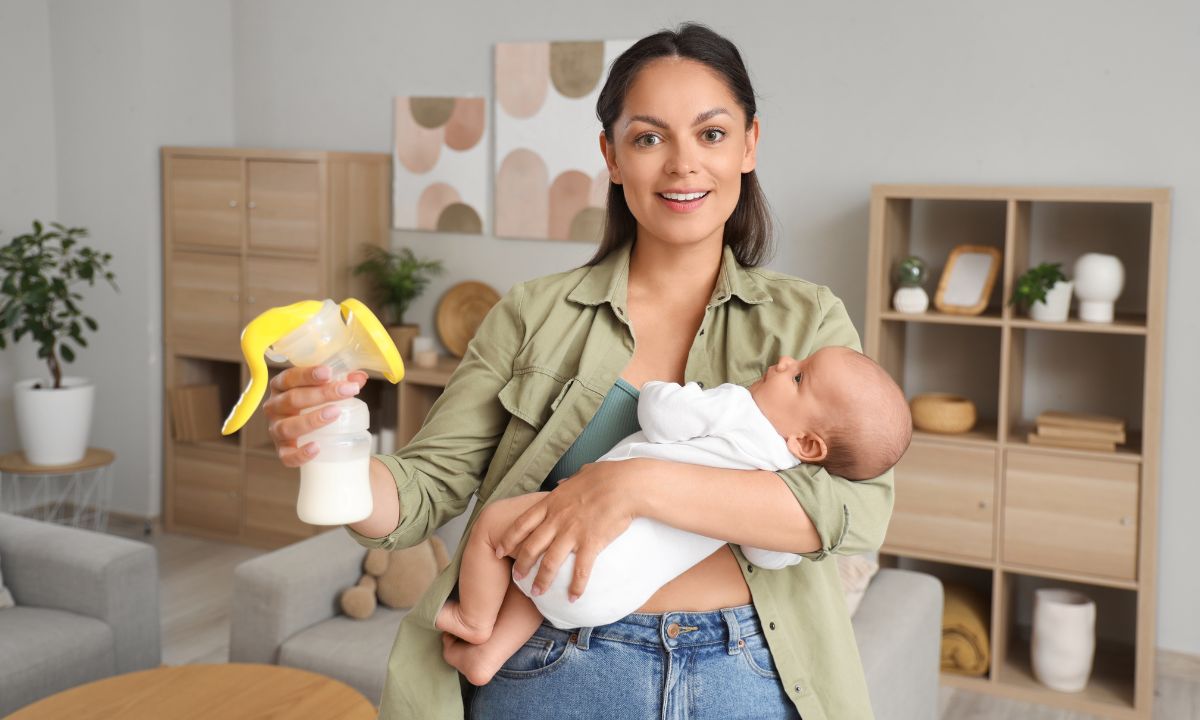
(608, 281)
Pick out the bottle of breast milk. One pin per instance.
(335, 486)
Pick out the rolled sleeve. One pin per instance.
(439, 470)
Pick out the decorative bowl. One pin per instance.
(942, 413)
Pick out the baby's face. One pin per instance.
(798, 396)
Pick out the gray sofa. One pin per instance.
(86, 608)
(285, 612)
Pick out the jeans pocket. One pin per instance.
(547, 650)
(758, 656)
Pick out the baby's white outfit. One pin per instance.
(721, 427)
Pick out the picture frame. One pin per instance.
(967, 280)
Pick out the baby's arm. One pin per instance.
(670, 412)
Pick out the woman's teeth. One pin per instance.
(681, 197)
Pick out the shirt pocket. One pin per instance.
(533, 395)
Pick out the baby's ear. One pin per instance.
(808, 447)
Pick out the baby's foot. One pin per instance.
(450, 619)
(477, 662)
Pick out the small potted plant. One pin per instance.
(1045, 291)
(398, 278)
(909, 277)
(40, 271)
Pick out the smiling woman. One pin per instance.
(551, 382)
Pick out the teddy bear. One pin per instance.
(396, 578)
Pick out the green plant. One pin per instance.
(1032, 286)
(40, 269)
(398, 278)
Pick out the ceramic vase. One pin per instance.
(1057, 305)
(910, 300)
(1099, 279)
(1064, 638)
(54, 424)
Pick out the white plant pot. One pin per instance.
(1099, 279)
(54, 424)
(1064, 638)
(910, 300)
(1057, 306)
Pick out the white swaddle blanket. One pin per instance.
(720, 427)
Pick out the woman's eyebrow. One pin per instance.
(657, 122)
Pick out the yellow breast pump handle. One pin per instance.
(276, 323)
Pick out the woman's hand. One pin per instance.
(583, 514)
(294, 390)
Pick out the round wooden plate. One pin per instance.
(460, 312)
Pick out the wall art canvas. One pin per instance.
(440, 164)
(551, 181)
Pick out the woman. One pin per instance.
(548, 384)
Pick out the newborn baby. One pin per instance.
(836, 408)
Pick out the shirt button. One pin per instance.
(749, 568)
(772, 626)
(799, 689)
(702, 331)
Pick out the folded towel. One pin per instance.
(965, 621)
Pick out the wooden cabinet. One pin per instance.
(987, 509)
(244, 231)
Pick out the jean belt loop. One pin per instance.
(583, 637)
(734, 627)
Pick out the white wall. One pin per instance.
(852, 93)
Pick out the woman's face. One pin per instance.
(679, 149)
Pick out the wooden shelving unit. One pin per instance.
(986, 508)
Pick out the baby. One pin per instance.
(836, 408)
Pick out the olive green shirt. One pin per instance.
(536, 372)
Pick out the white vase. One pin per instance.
(1057, 306)
(1064, 638)
(1099, 279)
(910, 300)
(54, 424)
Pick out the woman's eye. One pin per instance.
(713, 134)
(646, 140)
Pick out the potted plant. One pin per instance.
(40, 271)
(1045, 291)
(398, 278)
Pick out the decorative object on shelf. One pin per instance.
(439, 164)
(966, 649)
(424, 354)
(460, 312)
(909, 276)
(1044, 291)
(41, 271)
(1099, 279)
(944, 413)
(548, 185)
(1056, 428)
(967, 279)
(398, 278)
(335, 485)
(1064, 638)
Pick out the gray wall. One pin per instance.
(852, 93)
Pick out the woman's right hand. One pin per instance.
(296, 389)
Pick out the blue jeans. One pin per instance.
(711, 665)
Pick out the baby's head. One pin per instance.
(839, 409)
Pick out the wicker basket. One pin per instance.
(942, 413)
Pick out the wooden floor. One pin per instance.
(196, 583)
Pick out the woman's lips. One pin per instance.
(683, 206)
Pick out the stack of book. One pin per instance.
(1079, 431)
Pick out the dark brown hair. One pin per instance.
(748, 231)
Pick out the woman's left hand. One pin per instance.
(583, 514)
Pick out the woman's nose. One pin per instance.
(681, 160)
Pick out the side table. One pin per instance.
(77, 494)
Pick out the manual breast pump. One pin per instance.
(335, 486)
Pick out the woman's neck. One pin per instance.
(674, 273)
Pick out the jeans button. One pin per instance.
(673, 630)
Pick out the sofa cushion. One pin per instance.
(6, 598)
(353, 651)
(44, 651)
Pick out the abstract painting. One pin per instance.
(551, 180)
(440, 164)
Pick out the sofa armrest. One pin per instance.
(109, 578)
(283, 592)
(898, 628)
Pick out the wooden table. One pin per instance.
(230, 691)
(74, 494)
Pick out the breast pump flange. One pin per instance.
(335, 486)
